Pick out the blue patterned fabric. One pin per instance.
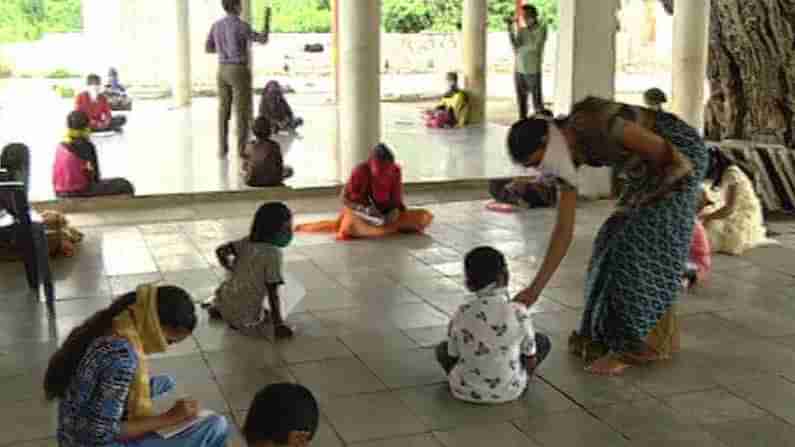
(639, 255)
(93, 409)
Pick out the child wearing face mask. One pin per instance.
(255, 266)
(94, 104)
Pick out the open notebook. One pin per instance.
(170, 432)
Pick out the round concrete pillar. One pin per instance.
(691, 28)
(183, 80)
(359, 124)
(474, 46)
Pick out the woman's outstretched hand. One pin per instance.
(527, 297)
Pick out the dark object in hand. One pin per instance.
(267, 27)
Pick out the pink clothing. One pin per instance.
(700, 253)
(69, 172)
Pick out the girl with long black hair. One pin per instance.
(100, 375)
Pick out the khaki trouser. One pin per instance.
(234, 85)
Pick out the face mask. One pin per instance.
(557, 160)
(282, 239)
(94, 91)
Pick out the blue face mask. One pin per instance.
(282, 239)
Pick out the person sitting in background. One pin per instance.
(116, 93)
(263, 164)
(274, 106)
(76, 171)
(735, 223)
(282, 415)
(654, 99)
(453, 109)
(492, 350)
(373, 203)
(96, 106)
(524, 192)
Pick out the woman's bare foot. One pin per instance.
(608, 365)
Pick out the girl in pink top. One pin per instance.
(76, 170)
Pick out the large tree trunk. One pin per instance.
(751, 70)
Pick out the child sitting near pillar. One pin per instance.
(452, 110)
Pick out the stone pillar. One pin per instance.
(474, 45)
(359, 125)
(586, 67)
(183, 80)
(691, 39)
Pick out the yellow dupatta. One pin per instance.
(140, 325)
(76, 134)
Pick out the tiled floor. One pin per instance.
(373, 311)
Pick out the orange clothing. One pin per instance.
(350, 226)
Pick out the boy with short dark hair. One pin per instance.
(283, 414)
(492, 349)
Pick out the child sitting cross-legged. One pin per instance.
(492, 350)
(282, 415)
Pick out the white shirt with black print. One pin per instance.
(489, 335)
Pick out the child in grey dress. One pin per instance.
(255, 271)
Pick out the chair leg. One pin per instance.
(44, 274)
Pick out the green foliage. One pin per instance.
(61, 73)
(26, 20)
(446, 15)
(407, 16)
(295, 16)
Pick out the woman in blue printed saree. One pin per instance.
(635, 273)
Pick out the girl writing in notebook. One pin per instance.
(100, 376)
